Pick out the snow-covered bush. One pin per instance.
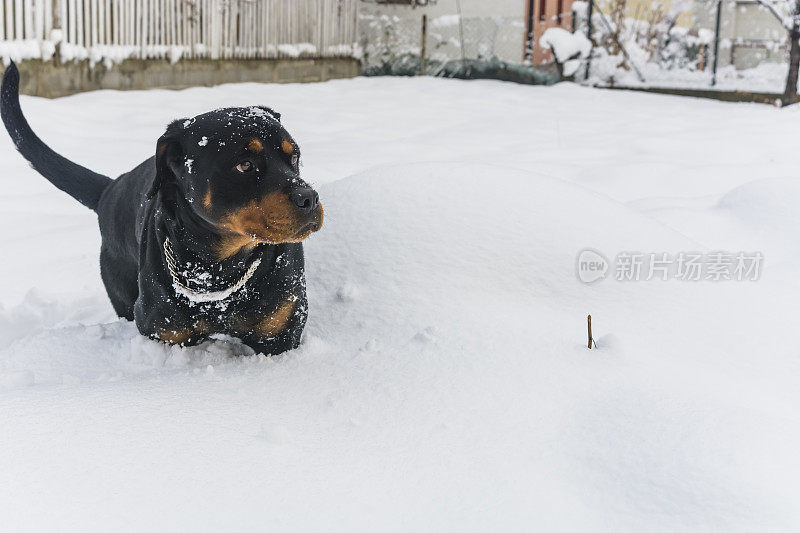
(651, 38)
(568, 48)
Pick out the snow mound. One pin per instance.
(431, 240)
(766, 203)
(767, 214)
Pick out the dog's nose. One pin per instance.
(305, 199)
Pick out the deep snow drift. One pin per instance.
(443, 382)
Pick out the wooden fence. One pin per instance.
(113, 30)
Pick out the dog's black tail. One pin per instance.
(79, 182)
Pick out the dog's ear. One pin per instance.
(168, 152)
(272, 112)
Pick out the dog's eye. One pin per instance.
(244, 166)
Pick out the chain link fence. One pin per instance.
(637, 42)
(469, 40)
(728, 44)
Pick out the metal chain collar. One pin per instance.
(200, 296)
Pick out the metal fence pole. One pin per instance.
(716, 44)
(461, 31)
(589, 36)
(422, 46)
(527, 54)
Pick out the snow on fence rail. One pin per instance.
(113, 30)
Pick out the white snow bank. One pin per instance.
(38, 312)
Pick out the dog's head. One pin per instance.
(238, 169)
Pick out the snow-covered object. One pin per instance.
(565, 44)
(705, 36)
(567, 47)
(444, 21)
(22, 49)
(113, 54)
(174, 54)
(443, 382)
(580, 8)
(297, 50)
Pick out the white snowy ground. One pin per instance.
(443, 382)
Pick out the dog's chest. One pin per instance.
(257, 297)
(259, 310)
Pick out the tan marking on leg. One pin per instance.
(276, 321)
(183, 335)
(207, 199)
(287, 146)
(255, 146)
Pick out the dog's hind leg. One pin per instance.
(121, 283)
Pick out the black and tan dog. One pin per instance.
(203, 238)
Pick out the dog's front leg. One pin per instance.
(275, 330)
(183, 335)
(273, 346)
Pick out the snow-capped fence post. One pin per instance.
(214, 15)
(9, 20)
(56, 35)
(17, 19)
